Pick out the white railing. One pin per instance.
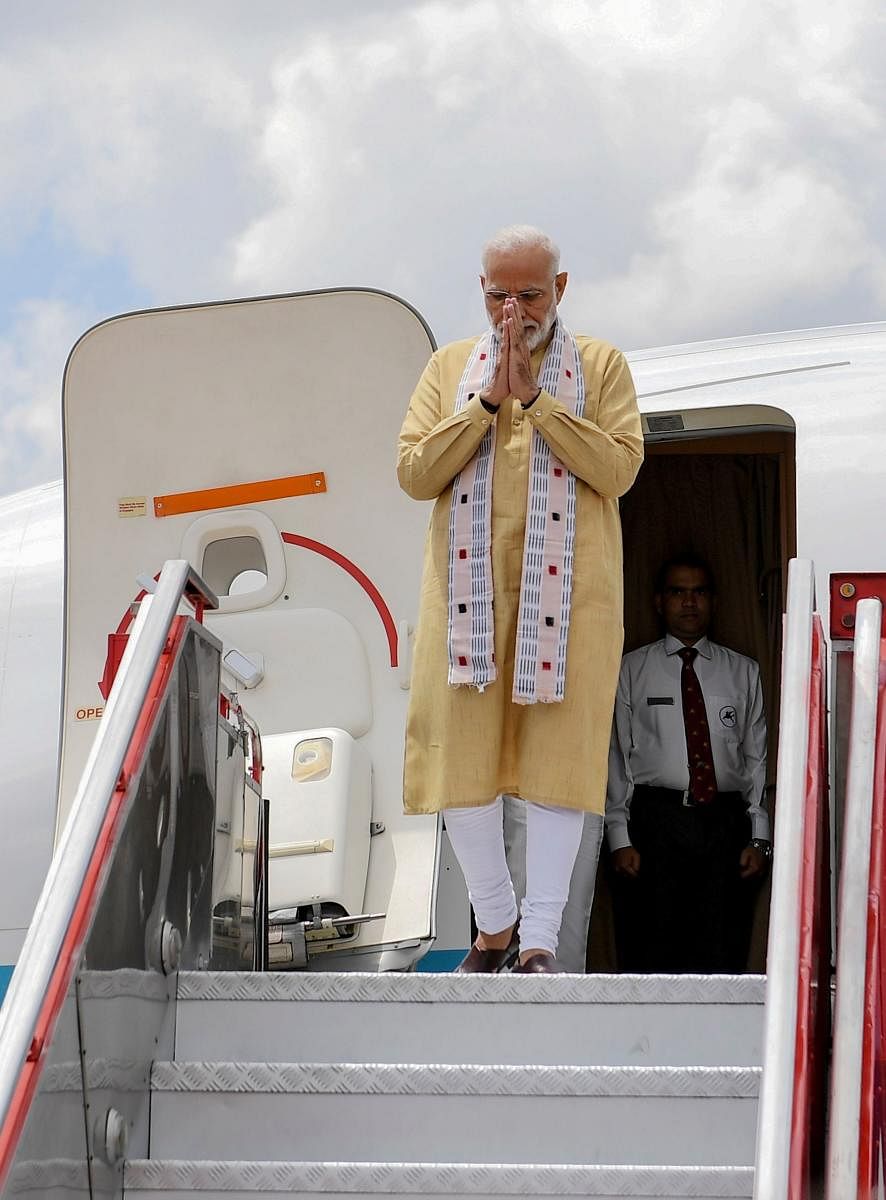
(36, 972)
(775, 1111)
(852, 1020)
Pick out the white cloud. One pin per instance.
(707, 168)
(32, 359)
(759, 227)
(133, 144)
(702, 166)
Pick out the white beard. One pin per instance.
(535, 334)
(541, 331)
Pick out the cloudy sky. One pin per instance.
(708, 168)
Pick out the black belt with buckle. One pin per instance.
(684, 799)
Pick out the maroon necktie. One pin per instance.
(702, 779)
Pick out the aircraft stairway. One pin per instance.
(130, 1065)
(419, 1084)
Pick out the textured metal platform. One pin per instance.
(124, 984)
(601, 1020)
(104, 1073)
(51, 1176)
(457, 1085)
(446, 1079)
(182, 1178)
(451, 1113)
(421, 988)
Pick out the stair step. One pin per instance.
(703, 1116)
(584, 1020)
(178, 1179)
(39, 1178)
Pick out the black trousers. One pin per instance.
(688, 910)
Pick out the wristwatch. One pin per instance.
(763, 846)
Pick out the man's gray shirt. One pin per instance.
(649, 738)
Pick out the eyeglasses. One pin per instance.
(529, 296)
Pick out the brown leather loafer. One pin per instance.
(538, 964)
(486, 962)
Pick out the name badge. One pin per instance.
(650, 700)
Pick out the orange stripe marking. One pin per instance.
(240, 493)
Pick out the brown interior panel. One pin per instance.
(730, 498)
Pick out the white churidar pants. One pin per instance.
(573, 946)
(553, 837)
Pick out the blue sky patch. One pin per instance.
(43, 265)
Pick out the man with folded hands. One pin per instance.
(524, 437)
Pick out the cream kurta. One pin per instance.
(463, 746)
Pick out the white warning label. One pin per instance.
(132, 506)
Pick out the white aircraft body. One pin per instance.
(757, 448)
(243, 455)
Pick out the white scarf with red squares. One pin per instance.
(548, 549)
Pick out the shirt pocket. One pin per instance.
(725, 717)
(658, 720)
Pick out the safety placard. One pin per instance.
(132, 506)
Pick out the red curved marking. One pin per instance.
(306, 543)
(127, 618)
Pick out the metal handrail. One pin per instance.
(774, 1113)
(814, 954)
(38, 961)
(871, 1114)
(842, 1174)
(260, 888)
